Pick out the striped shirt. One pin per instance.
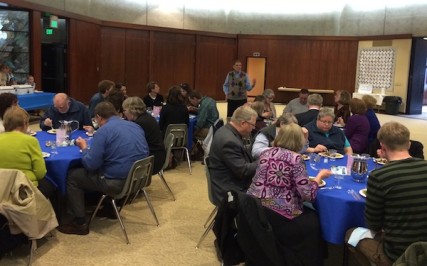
(397, 203)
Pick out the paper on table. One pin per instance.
(360, 233)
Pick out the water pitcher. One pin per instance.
(63, 133)
(359, 168)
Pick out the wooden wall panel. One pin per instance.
(136, 62)
(84, 59)
(214, 59)
(172, 59)
(305, 63)
(113, 54)
(36, 47)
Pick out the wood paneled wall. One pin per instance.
(84, 59)
(305, 63)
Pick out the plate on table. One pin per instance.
(51, 131)
(32, 133)
(45, 154)
(339, 125)
(38, 91)
(381, 161)
(363, 191)
(305, 157)
(90, 134)
(322, 184)
(326, 154)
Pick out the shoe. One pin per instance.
(107, 213)
(74, 229)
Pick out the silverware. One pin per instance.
(354, 194)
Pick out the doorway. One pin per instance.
(54, 56)
(256, 70)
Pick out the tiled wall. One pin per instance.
(386, 20)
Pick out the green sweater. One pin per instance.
(397, 203)
(21, 151)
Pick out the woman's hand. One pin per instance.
(324, 173)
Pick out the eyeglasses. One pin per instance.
(253, 125)
(326, 122)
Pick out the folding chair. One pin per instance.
(180, 139)
(137, 179)
(168, 145)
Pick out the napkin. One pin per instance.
(360, 233)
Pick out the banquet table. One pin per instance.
(35, 101)
(58, 165)
(337, 209)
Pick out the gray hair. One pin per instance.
(134, 105)
(325, 111)
(315, 99)
(285, 119)
(243, 113)
(268, 92)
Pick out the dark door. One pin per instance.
(54, 72)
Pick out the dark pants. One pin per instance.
(81, 180)
(301, 236)
(369, 251)
(232, 105)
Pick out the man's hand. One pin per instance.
(81, 142)
(48, 122)
(320, 148)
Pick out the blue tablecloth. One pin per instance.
(59, 164)
(35, 101)
(337, 209)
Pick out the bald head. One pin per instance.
(61, 102)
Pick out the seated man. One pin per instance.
(65, 108)
(323, 135)
(104, 88)
(207, 113)
(396, 209)
(115, 147)
(298, 105)
(231, 164)
(315, 101)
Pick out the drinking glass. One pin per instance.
(337, 181)
(95, 123)
(314, 161)
(53, 149)
(332, 154)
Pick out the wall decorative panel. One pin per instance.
(376, 67)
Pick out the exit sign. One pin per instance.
(49, 31)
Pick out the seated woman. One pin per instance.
(374, 123)
(281, 182)
(175, 111)
(342, 106)
(153, 98)
(134, 110)
(259, 124)
(185, 91)
(264, 138)
(357, 127)
(269, 108)
(323, 135)
(6, 100)
(22, 151)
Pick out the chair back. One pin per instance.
(168, 146)
(180, 135)
(217, 125)
(209, 180)
(138, 177)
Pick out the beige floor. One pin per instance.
(173, 242)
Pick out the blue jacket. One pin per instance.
(77, 111)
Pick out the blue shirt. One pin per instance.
(96, 98)
(115, 147)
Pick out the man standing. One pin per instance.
(116, 145)
(396, 209)
(315, 101)
(65, 108)
(231, 164)
(298, 105)
(207, 113)
(104, 88)
(235, 86)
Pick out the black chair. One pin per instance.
(415, 150)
